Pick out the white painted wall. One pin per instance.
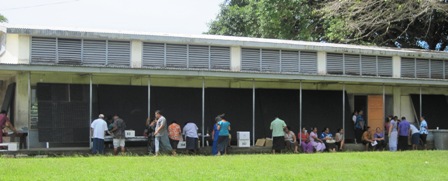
(322, 63)
(136, 54)
(235, 58)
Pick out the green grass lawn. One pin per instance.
(411, 165)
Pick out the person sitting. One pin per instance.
(339, 138)
(328, 140)
(5, 123)
(367, 138)
(290, 139)
(380, 140)
(316, 142)
(307, 147)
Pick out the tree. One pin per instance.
(3, 19)
(395, 23)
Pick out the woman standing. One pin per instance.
(223, 139)
(215, 135)
(393, 134)
(316, 142)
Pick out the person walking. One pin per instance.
(98, 129)
(118, 134)
(174, 134)
(278, 136)
(215, 135)
(403, 134)
(191, 136)
(393, 134)
(161, 141)
(423, 131)
(223, 139)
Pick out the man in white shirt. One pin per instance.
(98, 129)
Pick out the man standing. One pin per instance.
(119, 135)
(161, 135)
(278, 140)
(98, 128)
(423, 131)
(403, 134)
(174, 134)
(191, 136)
(359, 126)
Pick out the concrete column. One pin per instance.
(397, 100)
(235, 58)
(136, 54)
(24, 50)
(396, 67)
(322, 63)
(21, 101)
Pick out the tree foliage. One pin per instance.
(402, 23)
(3, 19)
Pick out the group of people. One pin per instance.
(283, 137)
(396, 133)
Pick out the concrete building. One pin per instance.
(60, 79)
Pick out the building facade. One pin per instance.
(54, 81)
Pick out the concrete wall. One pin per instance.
(17, 49)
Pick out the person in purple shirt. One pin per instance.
(403, 133)
(379, 138)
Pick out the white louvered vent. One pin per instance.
(119, 53)
(437, 69)
(43, 50)
(69, 51)
(94, 52)
(352, 64)
(385, 66)
(335, 63)
(198, 56)
(308, 62)
(270, 60)
(290, 61)
(220, 58)
(250, 59)
(368, 65)
(408, 67)
(176, 56)
(153, 54)
(422, 68)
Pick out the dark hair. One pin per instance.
(116, 115)
(423, 117)
(289, 128)
(367, 128)
(158, 112)
(338, 130)
(403, 117)
(173, 121)
(223, 116)
(3, 112)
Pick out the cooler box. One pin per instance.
(243, 135)
(243, 143)
(129, 133)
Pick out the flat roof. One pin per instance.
(219, 40)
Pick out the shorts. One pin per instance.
(415, 138)
(278, 143)
(423, 137)
(118, 142)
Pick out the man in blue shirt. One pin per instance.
(359, 125)
(423, 130)
(403, 133)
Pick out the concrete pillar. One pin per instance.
(21, 101)
(322, 63)
(136, 54)
(396, 67)
(397, 100)
(235, 58)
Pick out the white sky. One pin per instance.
(163, 16)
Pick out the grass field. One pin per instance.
(412, 165)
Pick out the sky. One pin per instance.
(157, 16)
